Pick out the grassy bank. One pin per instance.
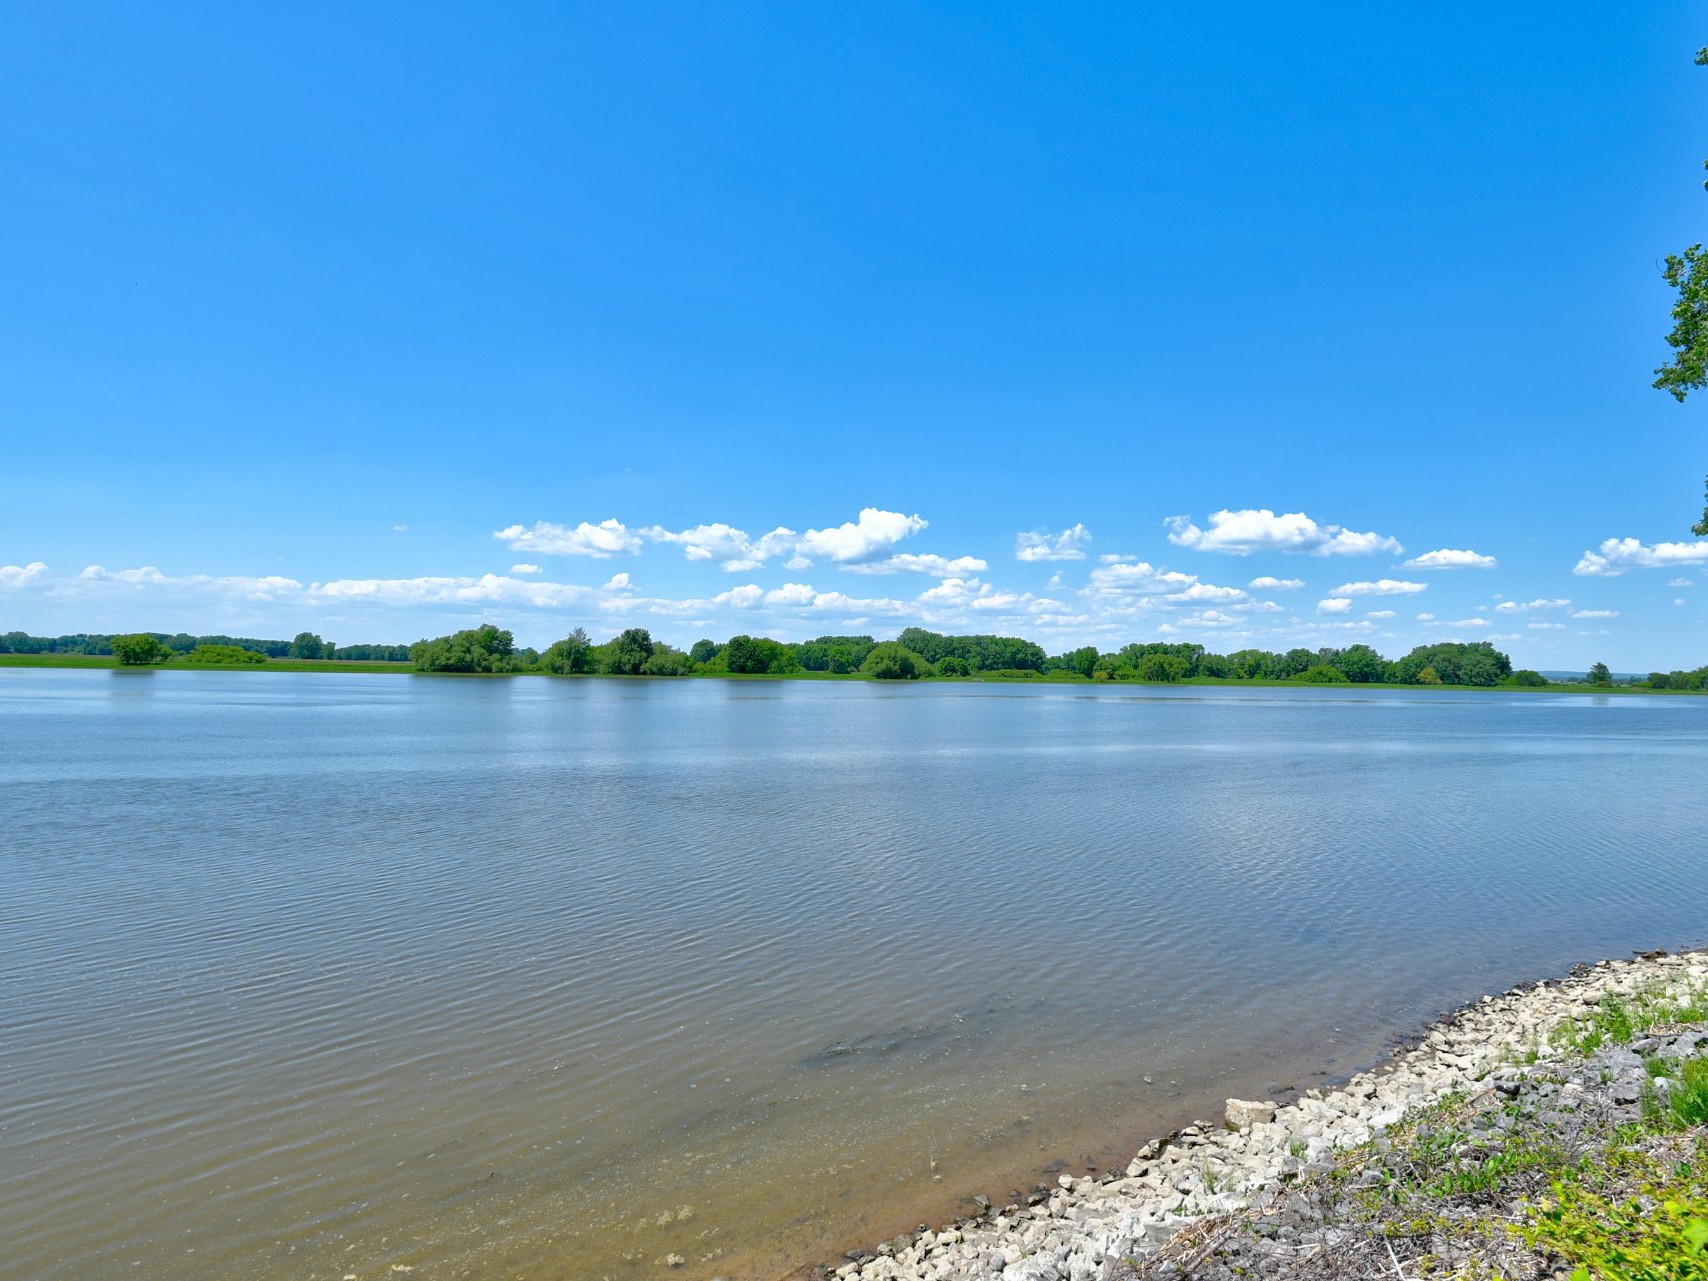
(184, 665)
(1048, 678)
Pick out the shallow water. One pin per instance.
(311, 975)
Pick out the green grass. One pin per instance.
(1616, 1019)
(181, 665)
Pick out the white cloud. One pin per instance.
(1250, 530)
(493, 589)
(1681, 582)
(1205, 592)
(1067, 545)
(908, 562)
(873, 534)
(1467, 622)
(606, 539)
(1381, 613)
(1268, 584)
(1447, 558)
(524, 569)
(1261, 607)
(1546, 627)
(399, 529)
(744, 597)
(1126, 577)
(15, 576)
(1595, 613)
(1426, 618)
(1382, 587)
(1616, 555)
(1514, 607)
(791, 594)
(618, 583)
(734, 549)
(1334, 605)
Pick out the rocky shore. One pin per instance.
(1217, 1199)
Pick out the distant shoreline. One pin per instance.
(104, 662)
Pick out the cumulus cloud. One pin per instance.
(1681, 582)
(1207, 592)
(1126, 577)
(1381, 613)
(488, 589)
(910, 563)
(791, 594)
(1381, 587)
(1546, 627)
(1211, 618)
(734, 549)
(606, 539)
(1268, 584)
(1616, 555)
(865, 539)
(1447, 558)
(1514, 607)
(16, 576)
(524, 569)
(1250, 530)
(1039, 545)
(1595, 613)
(744, 597)
(1334, 605)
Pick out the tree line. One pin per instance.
(919, 653)
(305, 645)
(916, 653)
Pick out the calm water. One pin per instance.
(305, 976)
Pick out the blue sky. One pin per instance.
(1083, 323)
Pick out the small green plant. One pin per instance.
(1296, 1148)
(1617, 1019)
(1654, 1236)
(1687, 1100)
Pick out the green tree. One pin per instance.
(703, 651)
(480, 649)
(1166, 668)
(234, 655)
(666, 661)
(1687, 371)
(1599, 675)
(1529, 678)
(744, 656)
(630, 651)
(1360, 663)
(307, 645)
(571, 655)
(1321, 674)
(893, 661)
(139, 649)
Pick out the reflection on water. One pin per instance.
(309, 975)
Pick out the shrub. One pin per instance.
(233, 654)
(893, 661)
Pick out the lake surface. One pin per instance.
(304, 976)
